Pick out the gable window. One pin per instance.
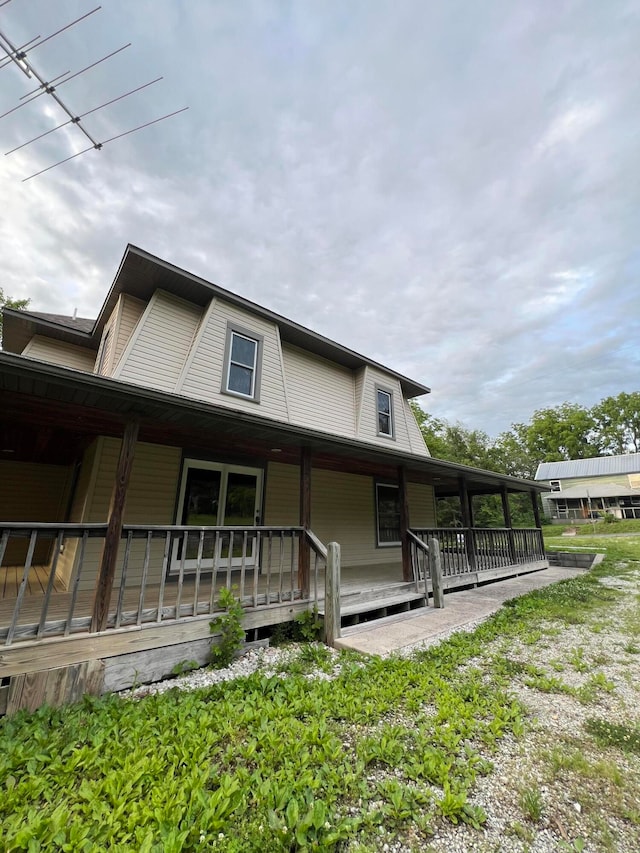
(387, 514)
(384, 412)
(554, 485)
(242, 363)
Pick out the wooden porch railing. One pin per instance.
(466, 550)
(164, 573)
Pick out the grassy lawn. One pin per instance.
(376, 751)
(598, 528)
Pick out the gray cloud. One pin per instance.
(449, 188)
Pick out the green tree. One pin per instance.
(512, 453)
(618, 423)
(568, 431)
(8, 302)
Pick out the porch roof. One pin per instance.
(48, 396)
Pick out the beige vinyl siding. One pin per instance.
(203, 379)
(282, 495)
(321, 394)
(281, 509)
(77, 512)
(359, 380)
(157, 350)
(151, 498)
(422, 509)
(343, 511)
(32, 492)
(104, 357)
(130, 310)
(416, 439)
(59, 352)
(368, 426)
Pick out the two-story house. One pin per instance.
(188, 438)
(584, 489)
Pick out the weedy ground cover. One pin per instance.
(294, 762)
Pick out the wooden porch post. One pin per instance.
(467, 521)
(332, 620)
(536, 508)
(403, 500)
(114, 528)
(304, 553)
(506, 511)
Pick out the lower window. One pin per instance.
(387, 514)
(215, 495)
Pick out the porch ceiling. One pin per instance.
(62, 407)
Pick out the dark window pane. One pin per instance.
(240, 380)
(243, 351)
(201, 503)
(388, 514)
(384, 424)
(201, 497)
(384, 403)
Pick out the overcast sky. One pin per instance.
(451, 188)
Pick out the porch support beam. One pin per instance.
(304, 553)
(114, 529)
(467, 521)
(506, 511)
(536, 508)
(405, 524)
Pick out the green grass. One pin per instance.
(600, 528)
(387, 749)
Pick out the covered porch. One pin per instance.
(93, 565)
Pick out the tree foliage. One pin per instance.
(567, 431)
(8, 302)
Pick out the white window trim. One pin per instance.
(555, 485)
(392, 427)
(233, 329)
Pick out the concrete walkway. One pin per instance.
(461, 608)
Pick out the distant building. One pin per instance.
(583, 489)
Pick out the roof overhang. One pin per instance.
(86, 402)
(140, 274)
(601, 490)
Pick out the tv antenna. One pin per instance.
(18, 55)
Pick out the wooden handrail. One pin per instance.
(316, 544)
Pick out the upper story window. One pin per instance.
(242, 363)
(384, 412)
(554, 485)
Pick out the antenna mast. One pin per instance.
(17, 55)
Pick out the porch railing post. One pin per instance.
(114, 529)
(536, 508)
(435, 570)
(304, 553)
(332, 595)
(405, 523)
(467, 521)
(506, 511)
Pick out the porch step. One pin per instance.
(378, 603)
(371, 625)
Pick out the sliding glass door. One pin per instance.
(216, 495)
